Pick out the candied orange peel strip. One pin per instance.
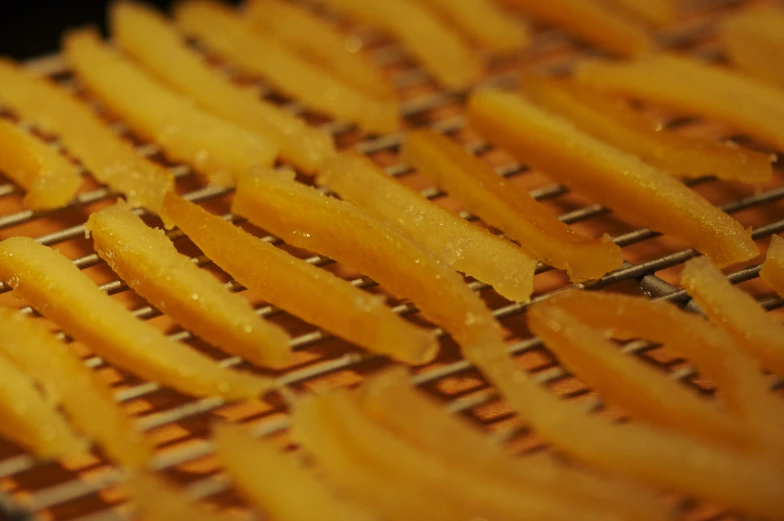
(711, 91)
(87, 400)
(466, 247)
(216, 147)
(148, 261)
(615, 179)
(276, 483)
(290, 283)
(753, 40)
(390, 400)
(50, 180)
(60, 291)
(592, 22)
(442, 51)
(772, 271)
(158, 45)
(234, 38)
(318, 41)
(658, 12)
(508, 207)
(108, 158)
(621, 126)
(736, 312)
(158, 500)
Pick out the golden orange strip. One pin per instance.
(592, 22)
(466, 247)
(108, 158)
(290, 283)
(772, 271)
(60, 291)
(659, 12)
(227, 34)
(158, 45)
(615, 179)
(87, 400)
(508, 207)
(702, 89)
(442, 51)
(318, 41)
(50, 180)
(621, 126)
(148, 261)
(212, 145)
(156, 499)
(754, 41)
(736, 312)
(276, 483)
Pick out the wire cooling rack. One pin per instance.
(86, 489)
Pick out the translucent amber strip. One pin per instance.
(772, 271)
(659, 12)
(156, 499)
(754, 41)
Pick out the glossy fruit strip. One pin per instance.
(466, 247)
(658, 12)
(235, 39)
(213, 146)
(106, 156)
(290, 283)
(620, 181)
(616, 123)
(60, 291)
(772, 271)
(753, 40)
(508, 207)
(156, 499)
(192, 297)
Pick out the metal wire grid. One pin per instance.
(688, 36)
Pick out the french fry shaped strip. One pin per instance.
(276, 483)
(159, 46)
(441, 50)
(592, 22)
(485, 23)
(290, 284)
(736, 312)
(390, 400)
(359, 455)
(61, 292)
(108, 158)
(148, 261)
(466, 247)
(658, 12)
(641, 391)
(158, 500)
(227, 34)
(212, 145)
(615, 179)
(679, 463)
(627, 129)
(86, 399)
(753, 39)
(306, 218)
(317, 40)
(49, 179)
(772, 271)
(508, 207)
(702, 89)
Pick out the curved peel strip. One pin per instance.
(290, 283)
(466, 247)
(49, 179)
(615, 179)
(148, 261)
(61, 292)
(702, 89)
(108, 158)
(306, 218)
(318, 41)
(87, 400)
(227, 34)
(508, 207)
(276, 483)
(621, 126)
(390, 400)
(754, 40)
(772, 271)
(592, 22)
(157, 500)
(658, 12)
(158, 45)
(441, 50)
(213, 146)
